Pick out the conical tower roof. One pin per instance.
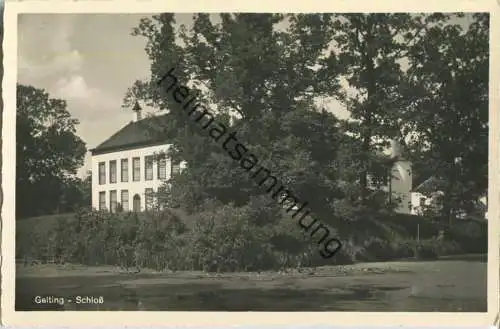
(137, 107)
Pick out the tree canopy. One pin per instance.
(49, 152)
(449, 75)
(381, 67)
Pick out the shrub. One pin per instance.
(402, 248)
(425, 250)
(470, 235)
(433, 248)
(445, 247)
(375, 249)
(225, 238)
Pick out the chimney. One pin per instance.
(138, 111)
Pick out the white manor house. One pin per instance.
(127, 172)
(126, 168)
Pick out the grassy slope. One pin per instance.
(41, 223)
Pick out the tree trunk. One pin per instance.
(370, 106)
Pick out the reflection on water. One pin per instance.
(449, 286)
(213, 297)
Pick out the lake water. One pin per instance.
(441, 286)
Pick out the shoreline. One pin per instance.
(396, 266)
(443, 286)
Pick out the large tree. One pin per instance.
(270, 79)
(448, 111)
(368, 54)
(76, 193)
(243, 66)
(48, 151)
(423, 80)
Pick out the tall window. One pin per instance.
(136, 175)
(149, 198)
(175, 168)
(112, 171)
(136, 203)
(102, 200)
(148, 167)
(102, 173)
(113, 200)
(124, 165)
(124, 200)
(162, 168)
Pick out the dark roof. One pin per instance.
(135, 134)
(431, 184)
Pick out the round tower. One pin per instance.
(401, 181)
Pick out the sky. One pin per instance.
(89, 60)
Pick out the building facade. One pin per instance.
(130, 166)
(428, 195)
(400, 181)
(129, 177)
(401, 186)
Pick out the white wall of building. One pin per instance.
(419, 201)
(401, 185)
(133, 188)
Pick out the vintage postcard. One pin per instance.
(285, 163)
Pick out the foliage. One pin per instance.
(434, 247)
(269, 80)
(75, 193)
(396, 74)
(472, 234)
(219, 239)
(367, 58)
(48, 152)
(447, 102)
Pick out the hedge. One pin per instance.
(224, 238)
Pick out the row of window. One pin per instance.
(124, 200)
(136, 170)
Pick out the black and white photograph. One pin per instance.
(265, 162)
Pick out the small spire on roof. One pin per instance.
(138, 111)
(136, 107)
